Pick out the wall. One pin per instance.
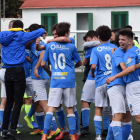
(5, 23)
(101, 16)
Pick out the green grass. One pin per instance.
(25, 131)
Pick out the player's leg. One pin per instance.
(61, 120)
(107, 119)
(133, 99)
(87, 97)
(29, 109)
(117, 100)
(40, 94)
(126, 125)
(69, 96)
(101, 101)
(54, 101)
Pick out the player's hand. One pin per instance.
(113, 50)
(110, 79)
(36, 73)
(91, 74)
(83, 42)
(50, 40)
(38, 40)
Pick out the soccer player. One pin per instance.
(61, 57)
(13, 53)
(113, 35)
(101, 64)
(88, 92)
(29, 90)
(59, 111)
(39, 86)
(117, 96)
(130, 74)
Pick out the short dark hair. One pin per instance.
(11, 23)
(128, 26)
(62, 28)
(104, 32)
(115, 30)
(54, 27)
(35, 26)
(90, 33)
(17, 24)
(125, 32)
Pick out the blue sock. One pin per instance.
(53, 124)
(1, 115)
(60, 117)
(106, 122)
(110, 135)
(126, 130)
(98, 124)
(76, 118)
(85, 116)
(48, 120)
(40, 120)
(32, 111)
(117, 131)
(72, 123)
(11, 116)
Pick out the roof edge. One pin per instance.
(22, 7)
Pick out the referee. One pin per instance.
(13, 55)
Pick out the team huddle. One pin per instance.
(111, 81)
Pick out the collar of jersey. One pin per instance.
(16, 29)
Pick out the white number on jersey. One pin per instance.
(108, 62)
(61, 66)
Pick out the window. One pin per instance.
(49, 20)
(119, 19)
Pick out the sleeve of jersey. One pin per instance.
(72, 40)
(76, 55)
(46, 55)
(118, 58)
(131, 60)
(93, 58)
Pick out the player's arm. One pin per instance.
(93, 61)
(87, 45)
(125, 72)
(78, 64)
(45, 67)
(93, 67)
(59, 39)
(38, 65)
(29, 44)
(85, 62)
(123, 66)
(28, 59)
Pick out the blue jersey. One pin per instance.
(61, 57)
(132, 57)
(87, 56)
(72, 40)
(34, 60)
(117, 58)
(27, 65)
(2, 64)
(13, 46)
(101, 57)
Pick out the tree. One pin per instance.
(12, 8)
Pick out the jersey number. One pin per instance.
(108, 62)
(60, 65)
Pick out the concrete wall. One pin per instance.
(101, 16)
(5, 23)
